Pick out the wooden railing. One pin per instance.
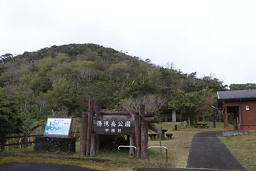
(20, 140)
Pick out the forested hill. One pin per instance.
(59, 81)
(242, 86)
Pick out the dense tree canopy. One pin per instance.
(10, 120)
(242, 86)
(59, 81)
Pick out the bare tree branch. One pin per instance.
(152, 102)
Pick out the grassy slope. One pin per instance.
(243, 148)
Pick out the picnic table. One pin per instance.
(169, 136)
(164, 131)
(201, 125)
(152, 136)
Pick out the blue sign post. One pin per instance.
(56, 136)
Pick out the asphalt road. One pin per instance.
(174, 169)
(207, 151)
(40, 167)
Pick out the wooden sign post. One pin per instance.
(95, 123)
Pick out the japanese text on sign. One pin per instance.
(113, 126)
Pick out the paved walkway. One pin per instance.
(40, 167)
(208, 152)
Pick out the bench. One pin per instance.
(152, 136)
(169, 136)
(198, 125)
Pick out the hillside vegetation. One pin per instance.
(59, 81)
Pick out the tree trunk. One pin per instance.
(25, 141)
(188, 121)
(166, 117)
(3, 141)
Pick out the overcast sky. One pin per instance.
(210, 37)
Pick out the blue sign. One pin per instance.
(57, 126)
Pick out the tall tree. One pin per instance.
(63, 97)
(10, 121)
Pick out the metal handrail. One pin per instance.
(158, 147)
(124, 146)
(166, 154)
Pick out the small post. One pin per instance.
(137, 135)
(166, 153)
(89, 129)
(225, 118)
(97, 137)
(83, 133)
(123, 146)
(93, 145)
(166, 156)
(159, 131)
(144, 133)
(175, 127)
(131, 151)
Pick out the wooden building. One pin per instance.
(239, 108)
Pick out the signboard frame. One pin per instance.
(113, 125)
(68, 133)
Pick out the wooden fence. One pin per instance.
(21, 141)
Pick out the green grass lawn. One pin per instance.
(178, 151)
(219, 126)
(183, 126)
(243, 147)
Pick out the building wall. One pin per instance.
(248, 116)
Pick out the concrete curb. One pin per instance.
(234, 133)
